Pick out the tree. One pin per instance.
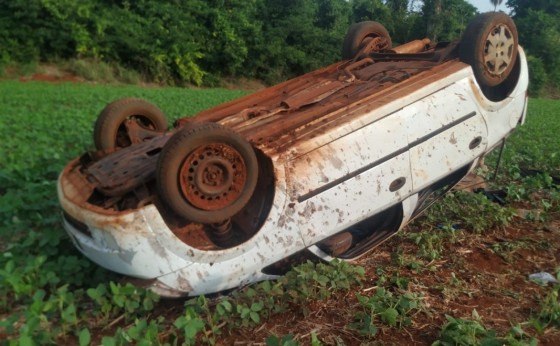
(539, 33)
(297, 36)
(538, 24)
(445, 20)
(403, 21)
(521, 7)
(369, 10)
(496, 3)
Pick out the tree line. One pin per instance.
(202, 41)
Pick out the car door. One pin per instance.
(351, 178)
(446, 131)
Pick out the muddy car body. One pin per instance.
(324, 165)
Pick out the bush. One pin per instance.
(537, 75)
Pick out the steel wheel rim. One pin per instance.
(212, 176)
(498, 50)
(123, 138)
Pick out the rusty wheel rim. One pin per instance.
(498, 50)
(125, 133)
(212, 176)
(374, 44)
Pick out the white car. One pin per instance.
(326, 165)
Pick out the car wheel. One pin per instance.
(489, 45)
(206, 172)
(127, 121)
(364, 34)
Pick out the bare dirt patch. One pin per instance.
(42, 77)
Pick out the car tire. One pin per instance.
(358, 36)
(110, 133)
(489, 45)
(206, 173)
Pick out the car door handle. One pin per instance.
(475, 142)
(397, 184)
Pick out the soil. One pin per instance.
(484, 272)
(52, 74)
(44, 77)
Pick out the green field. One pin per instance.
(50, 294)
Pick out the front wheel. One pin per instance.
(489, 45)
(206, 173)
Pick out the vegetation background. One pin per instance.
(202, 42)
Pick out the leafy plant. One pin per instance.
(190, 325)
(472, 332)
(469, 211)
(319, 280)
(387, 307)
(126, 299)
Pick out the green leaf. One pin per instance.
(148, 304)
(108, 341)
(257, 306)
(315, 340)
(26, 340)
(192, 328)
(85, 337)
(390, 316)
(255, 317)
(491, 341)
(224, 307)
(272, 340)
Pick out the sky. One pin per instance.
(485, 5)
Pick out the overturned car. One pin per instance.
(326, 165)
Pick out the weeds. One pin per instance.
(50, 294)
(506, 249)
(128, 300)
(320, 280)
(454, 287)
(469, 211)
(549, 312)
(393, 309)
(99, 71)
(303, 284)
(472, 332)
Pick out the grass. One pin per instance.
(531, 146)
(47, 124)
(50, 294)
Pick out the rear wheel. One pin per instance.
(365, 37)
(489, 45)
(125, 122)
(206, 173)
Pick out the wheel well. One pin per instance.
(243, 226)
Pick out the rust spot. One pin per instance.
(452, 139)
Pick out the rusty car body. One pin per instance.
(325, 165)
